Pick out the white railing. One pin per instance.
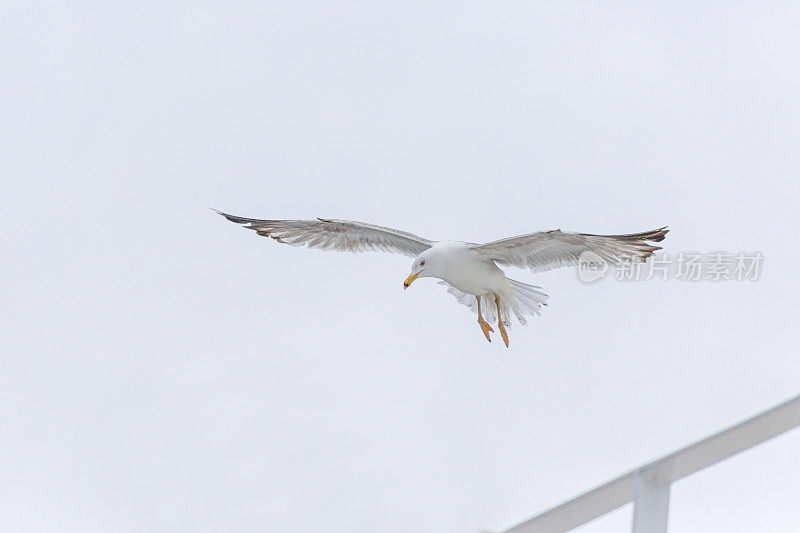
(648, 486)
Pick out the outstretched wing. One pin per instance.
(546, 250)
(342, 235)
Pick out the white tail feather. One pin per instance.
(518, 299)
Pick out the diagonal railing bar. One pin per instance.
(657, 476)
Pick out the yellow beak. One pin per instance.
(410, 279)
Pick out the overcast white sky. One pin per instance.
(165, 370)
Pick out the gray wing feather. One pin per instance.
(546, 250)
(342, 235)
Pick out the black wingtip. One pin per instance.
(659, 234)
(232, 218)
(226, 215)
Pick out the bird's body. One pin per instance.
(466, 270)
(469, 271)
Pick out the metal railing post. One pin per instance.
(650, 503)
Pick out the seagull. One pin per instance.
(469, 271)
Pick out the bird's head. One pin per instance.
(425, 266)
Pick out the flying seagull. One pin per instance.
(469, 271)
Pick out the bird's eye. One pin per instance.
(422, 263)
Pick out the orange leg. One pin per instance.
(485, 327)
(500, 325)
